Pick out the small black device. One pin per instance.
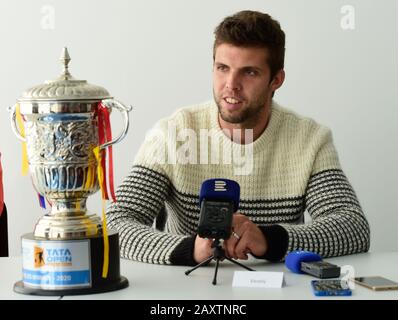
(331, 288)
(218, 200)
(321, 269)
(215, 219)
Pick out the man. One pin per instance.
(294, 166)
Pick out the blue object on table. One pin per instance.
(293, 259)
(330, 288)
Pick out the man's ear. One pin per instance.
(278, 80)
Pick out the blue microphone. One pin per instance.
(294, 259)
(218, 199)
(220, 190)
(302, 261)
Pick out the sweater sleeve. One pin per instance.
(338, 225)
(139, 200)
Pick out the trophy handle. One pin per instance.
(124, 110)
(14, 126)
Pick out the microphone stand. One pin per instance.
(218, 254)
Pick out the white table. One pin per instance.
(161, 282)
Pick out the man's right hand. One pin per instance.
(203, 249)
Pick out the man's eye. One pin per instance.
(221, 68)
(251, 72)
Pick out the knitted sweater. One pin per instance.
(292, 167)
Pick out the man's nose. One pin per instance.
(233, 83)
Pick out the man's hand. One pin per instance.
(251, 239)
(202, 250)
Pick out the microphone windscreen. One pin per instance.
(293, 259)
(220, 190)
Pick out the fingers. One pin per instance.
(237, 246)
(238, 221)
(229, 246)
(202, 249)
(241, 249)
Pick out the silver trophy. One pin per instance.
(66, 253)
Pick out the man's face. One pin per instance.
(241, 83)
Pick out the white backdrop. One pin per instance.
(157, 56)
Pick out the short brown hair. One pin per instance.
(253, 29)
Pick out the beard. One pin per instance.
(248, 114)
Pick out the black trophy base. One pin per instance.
(114, 280)
(19, 287)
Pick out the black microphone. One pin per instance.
(218, 200)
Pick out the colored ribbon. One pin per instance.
(42, 201)
(1, 188)
(90, 178)
(102, 161)
(108, 136)
(100, 172)
(105, 135)
(25, 164)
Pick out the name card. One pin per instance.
(258, 279)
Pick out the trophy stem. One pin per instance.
(68, 220)
(68, 207)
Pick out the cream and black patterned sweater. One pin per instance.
(292, 167)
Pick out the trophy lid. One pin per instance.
(65, 87)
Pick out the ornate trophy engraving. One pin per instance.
(69, 251)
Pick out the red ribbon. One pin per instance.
(105, 135)
(101, 136)
(108, 133)
(1, 189)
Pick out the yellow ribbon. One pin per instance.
(89, 180)
(100, 173)
(25, 163)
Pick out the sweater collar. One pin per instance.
(261, 142)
